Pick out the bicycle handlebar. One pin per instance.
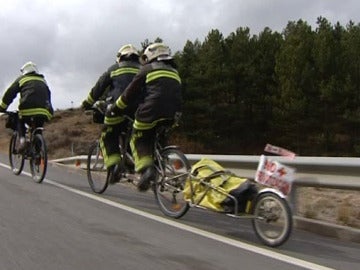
(99, 106)
(10, 112)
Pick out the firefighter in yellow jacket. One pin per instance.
(35, 99)
(110, 86)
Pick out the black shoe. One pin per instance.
(129, 166)
(114, 174)
(147, 176)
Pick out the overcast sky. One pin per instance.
(74, 41)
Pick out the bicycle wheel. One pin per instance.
(96, 170)
(273, 219)
(38, 159)
(170, 184)
(16, 159)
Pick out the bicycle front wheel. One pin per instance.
(273, 219)
(96, 170)
(170, 184)
(16, 159)
(38, 159)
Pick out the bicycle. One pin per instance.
(35, 150)
(99, 177)
(262, 199)
(168, 160)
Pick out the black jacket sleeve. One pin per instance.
(10, 94)
(101, 86)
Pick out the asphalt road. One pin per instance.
(61, 224)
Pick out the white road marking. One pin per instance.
(213, 236)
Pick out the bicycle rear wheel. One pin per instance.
(38, 159)
(16, 159)
(170, 184)
(96, 170)
(273, 219)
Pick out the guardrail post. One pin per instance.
(72, 148)
(292, 199)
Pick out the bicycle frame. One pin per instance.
(35, 149)
(31, 130)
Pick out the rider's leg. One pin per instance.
(142, 145)
(39, 120)
(109, 140)
(109, 144)
(21, 131)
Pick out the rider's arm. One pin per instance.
(10, 94)
(49, 103)
(102, 84)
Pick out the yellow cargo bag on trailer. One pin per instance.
(213, 199)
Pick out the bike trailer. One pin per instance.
(212, 187)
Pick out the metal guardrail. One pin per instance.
(326, 172)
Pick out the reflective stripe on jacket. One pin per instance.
(161, 84)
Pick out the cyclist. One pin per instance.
(35, 99)
(162, 101)
(109, 87)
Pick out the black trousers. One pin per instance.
(33, 121)
(110, 140)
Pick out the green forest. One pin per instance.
(298, 89)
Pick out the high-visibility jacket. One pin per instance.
(113, 81)
(161, 86)
(35, 96)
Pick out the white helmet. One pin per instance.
(28, 67)
(126, 50)
(157, 51)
